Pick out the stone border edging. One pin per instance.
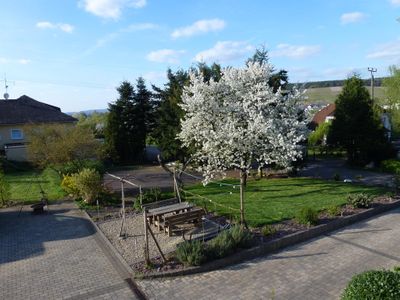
(278, 244)
(115, 258)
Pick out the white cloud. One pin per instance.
(45, 25)
(140, 27)
(386, 51)
(165, 56)
(352, 17)
(199, 27)
(66, 27)
(110, 9)
(21, 61)
(295, 51)
(225, 51)
(24, 61)
(61, 26)
(395, 2)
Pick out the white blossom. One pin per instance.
(239, 120)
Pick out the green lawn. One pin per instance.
(329, 94)
(25, 185)
(273, 200)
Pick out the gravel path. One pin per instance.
(132, 247)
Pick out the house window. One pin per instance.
(16, 134)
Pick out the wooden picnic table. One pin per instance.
(156, 215)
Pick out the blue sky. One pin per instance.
(74, 53)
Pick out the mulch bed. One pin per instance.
(282, 229)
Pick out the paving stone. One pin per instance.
(54, 256)
(318, 269)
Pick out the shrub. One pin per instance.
(336, 177)
(68, 184)
(307, 216)
(242, 238)
(360, 200)
(88, 183)
(334, 210)
(136, 205)
(373, 285)
(152, 195)
(268, 230)
(194, 253)
(222, 245)
(191, 253)
(228, 241)
(76, 166)
(391, 166)
(5, 189)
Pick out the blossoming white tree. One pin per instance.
(239, 120)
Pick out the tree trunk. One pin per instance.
(243, 178)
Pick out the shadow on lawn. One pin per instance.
(23, 235)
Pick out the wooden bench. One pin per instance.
(158, 204)
(192, 216)
(156, 215)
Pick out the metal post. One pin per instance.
(372, 70)
(176, 188)
(122, 232)
(174, 174)
(146, 238)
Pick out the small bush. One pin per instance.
(222, 245)
(76, 166)
(307, 216)
(336, 177)
(360, 200)
(241, 237)
(136, 205)
(228, 241)
(88, 183)
(5, 189)
(334, 210)
(68, 184)
(152, 195)
(191, 253)
(391, 166)
(373, 285)
(268, 230)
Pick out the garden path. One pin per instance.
(327, 168)
(318, 269)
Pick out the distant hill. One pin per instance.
(325, 92)
(334, 83)
(325, 95)
(89, 111)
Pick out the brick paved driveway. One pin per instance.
(318, 269)
(56, 256)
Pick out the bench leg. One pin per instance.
(169, 231)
